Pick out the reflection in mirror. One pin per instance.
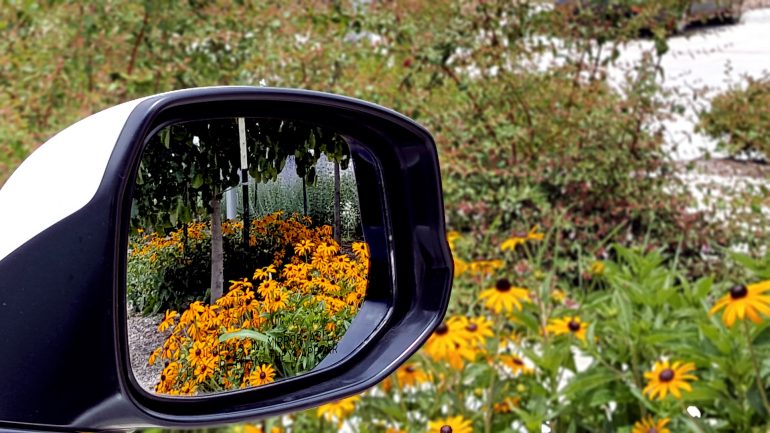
(246, 257)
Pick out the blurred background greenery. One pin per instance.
(531, 126)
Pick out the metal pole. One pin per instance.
(244, 180)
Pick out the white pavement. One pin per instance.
(711, 58)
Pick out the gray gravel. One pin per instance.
(143, 338)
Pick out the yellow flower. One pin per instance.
(597, 268)
(507, 405)
(262, 375)
(558, 295)
(276, 301)
(326, 249)
(484, 267)
(197, 353)
(665, 378)
(460, 266)
(568, 325)
(452, 424)
(361, 249)
(264, 273)
(478, 329)
(154, 355)
(411, 375)
(168, 321)
(303, 247)
(742, 301)
(338, 410)
(448, 337)
(516, 364)
(205, 369)
(504, 297)
(268, 288)
(452, 236)
(649, 425)
(517, 239)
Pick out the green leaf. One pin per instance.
(589, 380)
(244, 333)
(197, 181)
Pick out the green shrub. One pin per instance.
(739, 119)
(171, 271)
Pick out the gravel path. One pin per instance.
(143, 338)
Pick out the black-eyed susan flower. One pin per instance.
(504, 297)
(568, 325)
(262, 375)
(507, 405)
(205, 369)
(304, 247)
(338, 410)
(452, 424)
(361, 250)
(650, 425)
(484, 267)
(264, 273)
(168, 320)
(478, 329)
(197, 353)
(744, 301)
(447, 337)
(276, 301)
(517, 239)
(412, 375)
(668, 378)
(516, 364)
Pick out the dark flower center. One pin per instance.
(738, 292)
(262, 375)
(518, 361)
(652, 430)
(666, 375)
(574, 325)
(446, 429)
(277, 298)
(197, 352)
(162, 377)
(472, 327)
(503, 285)
(410, 369)
(442, 329)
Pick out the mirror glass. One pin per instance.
(246, 257)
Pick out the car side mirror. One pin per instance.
(86, 220)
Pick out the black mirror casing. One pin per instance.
(62, 291)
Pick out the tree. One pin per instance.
(187, 167)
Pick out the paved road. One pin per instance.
(701, 58)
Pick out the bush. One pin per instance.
(281, 324)
(521, 348)
(171, 271)
(739, 119)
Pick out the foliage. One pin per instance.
(280, 324)
(575, 358)
(186, 165)
(739, 119)
(171, 271)
(533, 127)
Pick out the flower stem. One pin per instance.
(757, 373)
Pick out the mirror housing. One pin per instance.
(64, 234)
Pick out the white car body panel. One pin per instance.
(60, 177)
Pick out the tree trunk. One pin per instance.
(337, 210)
(217, 255)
